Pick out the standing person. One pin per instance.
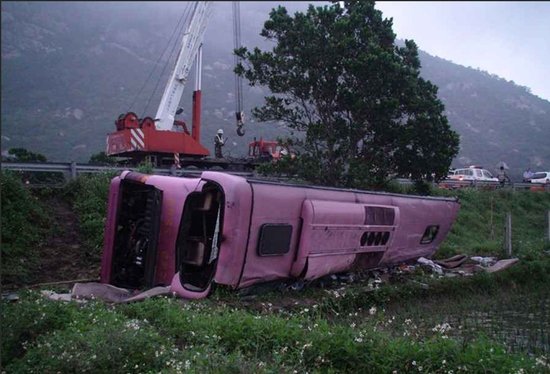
(502, 176)
(527, 175)
(219, 142)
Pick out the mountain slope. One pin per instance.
(69, 69)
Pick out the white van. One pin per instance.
(473, 173)
(541, 177)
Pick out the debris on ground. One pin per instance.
(459, 265)
(81, 292)
(501, 265)
(430, 264)
(56, 296)
(107, 292)
(465, 266)
(484, 261)
(11, 297)
(455, 266)
(452, 262)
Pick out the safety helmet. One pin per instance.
(220, 132)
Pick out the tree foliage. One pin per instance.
(24, 155)
(101, 158)
(359, 110)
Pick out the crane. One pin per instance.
(163, 137)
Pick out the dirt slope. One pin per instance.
(63, 257)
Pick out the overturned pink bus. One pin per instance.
(190, 233)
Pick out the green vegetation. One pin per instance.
(166, 335)
(411, 324)
(37, 177)
(354, 129)
(101, 158)
(24, 224)
(89, 195)
(479, 228)
(24, 155)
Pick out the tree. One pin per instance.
(101, 158)
(24, 155)
(359, 110)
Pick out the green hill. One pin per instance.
(69, 70)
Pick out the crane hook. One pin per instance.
(240, 123)
(240, 131)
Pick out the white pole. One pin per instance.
(508, 237)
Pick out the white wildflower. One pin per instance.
(542, 361)
(132, 324)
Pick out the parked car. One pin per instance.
(541, 177)
(472, 173)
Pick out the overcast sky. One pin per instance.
(509, 39)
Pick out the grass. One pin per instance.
(24, 225)
(169, 335)
(403, 327)
(479, 228)
(89, 194)
(415, 324)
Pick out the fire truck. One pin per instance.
(164, 140)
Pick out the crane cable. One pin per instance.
(169, 42)
(182, 28)
(239, 114)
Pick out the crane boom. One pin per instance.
(190, 44)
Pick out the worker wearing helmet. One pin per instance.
(219, 142)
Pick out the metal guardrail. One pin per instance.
(455, 184)
(71, 170)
